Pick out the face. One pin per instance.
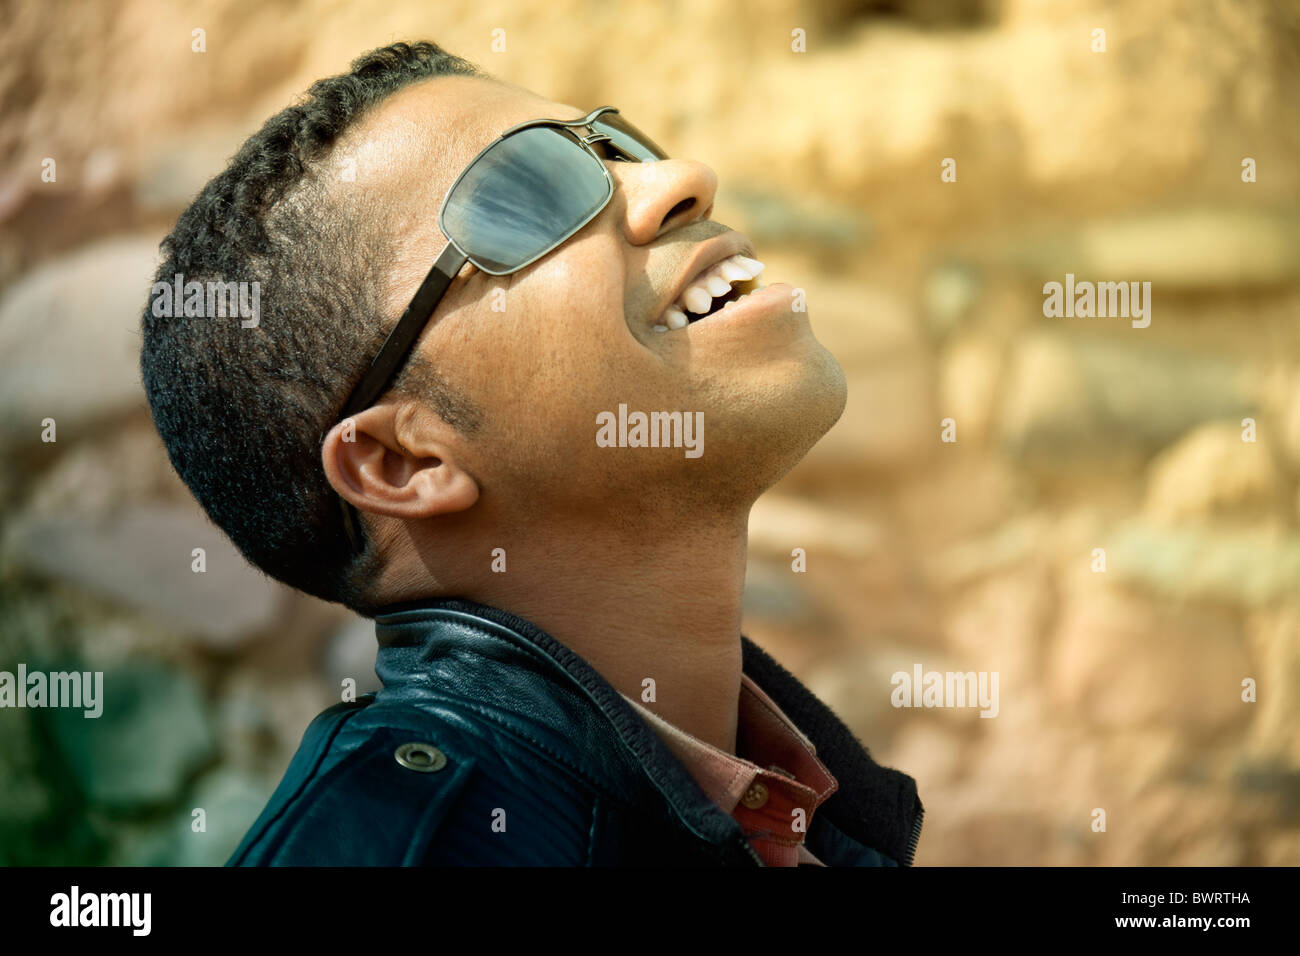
(544, 351)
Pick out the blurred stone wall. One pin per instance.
(1098, 534)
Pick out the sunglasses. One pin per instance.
(519, 199)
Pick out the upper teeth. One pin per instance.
(712, 283)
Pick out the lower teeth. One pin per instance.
(692, 317)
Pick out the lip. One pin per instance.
(707, 255)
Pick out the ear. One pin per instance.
(398, 459)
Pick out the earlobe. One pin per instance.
(372, 470)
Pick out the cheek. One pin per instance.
(545, 351)
(567, 314)
(579, 287)
(525, 354)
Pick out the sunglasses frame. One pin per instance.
(397, 346)
(583, 141)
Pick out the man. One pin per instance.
(529, 453)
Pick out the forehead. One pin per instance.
(421, 137)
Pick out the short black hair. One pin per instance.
(243, 410)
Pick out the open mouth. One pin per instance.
(722, 284)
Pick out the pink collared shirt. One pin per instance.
(771, 785)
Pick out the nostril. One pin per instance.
(681, 207)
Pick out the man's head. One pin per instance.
(489, 433)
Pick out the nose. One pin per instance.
(664, 196)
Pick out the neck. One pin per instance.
(637, 608)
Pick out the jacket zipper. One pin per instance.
(916, 835)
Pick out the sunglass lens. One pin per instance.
(528, 193)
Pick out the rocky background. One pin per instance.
(1120, 689)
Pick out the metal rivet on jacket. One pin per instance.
(425, 758)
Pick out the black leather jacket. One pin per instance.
(491, 743)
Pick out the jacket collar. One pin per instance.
(876, 806)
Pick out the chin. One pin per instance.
(813, 406)
(833, 388)
(775, 424)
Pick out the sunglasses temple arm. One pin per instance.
(400, 341)
(393, 355)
